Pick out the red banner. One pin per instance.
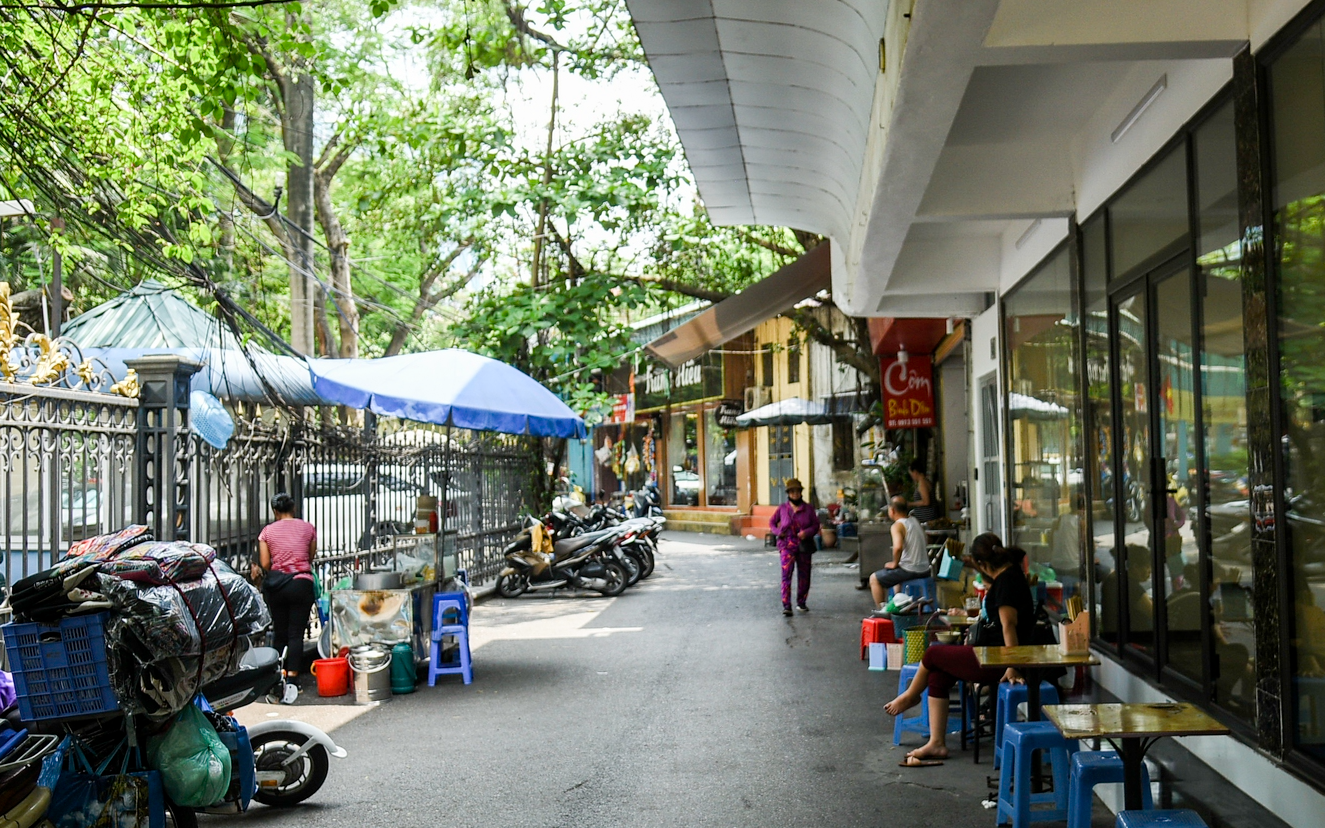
(908, 393)
(623, 409)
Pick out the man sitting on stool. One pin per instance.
(910, 560)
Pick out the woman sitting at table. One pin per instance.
(1008, 612)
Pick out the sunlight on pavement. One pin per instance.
(327, 717)
(516, 624)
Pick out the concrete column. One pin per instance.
(1256, 296)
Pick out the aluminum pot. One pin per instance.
(372, 673)
(378, 580)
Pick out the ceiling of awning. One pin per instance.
(772, 101)
(739, 314)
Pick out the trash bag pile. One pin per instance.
(178, 617)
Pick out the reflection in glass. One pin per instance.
(1151, 214)
(1131, 484)
(683, 459)
(1099, 416)
(1297, 83)
(719, 461)
(1224, 415)
(1044, 410)
(1176, 406)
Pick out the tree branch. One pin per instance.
(767, 244)
(515, 14)
(855, 352)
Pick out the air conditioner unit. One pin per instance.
(757, 396)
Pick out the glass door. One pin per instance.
(1177, 525)
(1127, 590)
(1157, 583)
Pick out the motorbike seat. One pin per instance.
(259, 658)
(569, 546)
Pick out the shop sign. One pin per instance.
(908, 393)
(623, 409)
(728, 411)
(697, 379)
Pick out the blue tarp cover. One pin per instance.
(450, 387)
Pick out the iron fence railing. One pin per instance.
(69, 469)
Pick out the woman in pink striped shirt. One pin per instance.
(287, 546)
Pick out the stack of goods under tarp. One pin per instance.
(177, 617)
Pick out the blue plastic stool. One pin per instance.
(1015, 800)
(922, 588)
(1158, 819)
(918, 723)
(455, 603)
(1010, 697)
(464, 666)
(1096, 767)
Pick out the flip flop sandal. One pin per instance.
(912, 762)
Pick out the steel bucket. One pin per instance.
(372, 674)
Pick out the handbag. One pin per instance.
(808, 546)
(275, 581)
(950, 568)
(984, 633)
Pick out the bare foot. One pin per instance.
(928, 752)
(902, 703)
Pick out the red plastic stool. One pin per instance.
(875, 631)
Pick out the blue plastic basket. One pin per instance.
(60, 670)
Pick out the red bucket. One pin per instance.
(333, 676)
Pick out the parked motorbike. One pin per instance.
(648, 502)
(291, 758)
(585, 561)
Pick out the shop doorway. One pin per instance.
(1156, 519)
(781, 461)
(991, 483)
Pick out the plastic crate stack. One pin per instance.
(60, 670)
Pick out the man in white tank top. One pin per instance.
(910, 559)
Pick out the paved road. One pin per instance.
(687, 701)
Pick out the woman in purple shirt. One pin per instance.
(795, 521)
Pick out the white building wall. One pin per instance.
(984, 363)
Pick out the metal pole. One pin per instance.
(57, 284)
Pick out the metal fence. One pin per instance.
(71, 467)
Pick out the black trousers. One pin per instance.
(290, 606)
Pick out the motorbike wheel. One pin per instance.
(178, 816)
(646, 555)
(634, 567)
(512, 585)
(616, 578)
(303, 778)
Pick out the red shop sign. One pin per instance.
(908, 393)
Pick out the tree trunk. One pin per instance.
(338, 242)
(297, 131)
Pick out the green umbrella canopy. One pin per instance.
(149, 316)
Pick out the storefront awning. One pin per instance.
(791, 411)
(739, 314)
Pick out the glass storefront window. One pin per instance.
(1040, 319)
(1099, 413)
(719, 461)
(1178, 528)
(1224, 414)
(1151, 214)
(1297, 95)
(683, 458)
(1128, 593)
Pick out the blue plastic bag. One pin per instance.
(83, 796)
